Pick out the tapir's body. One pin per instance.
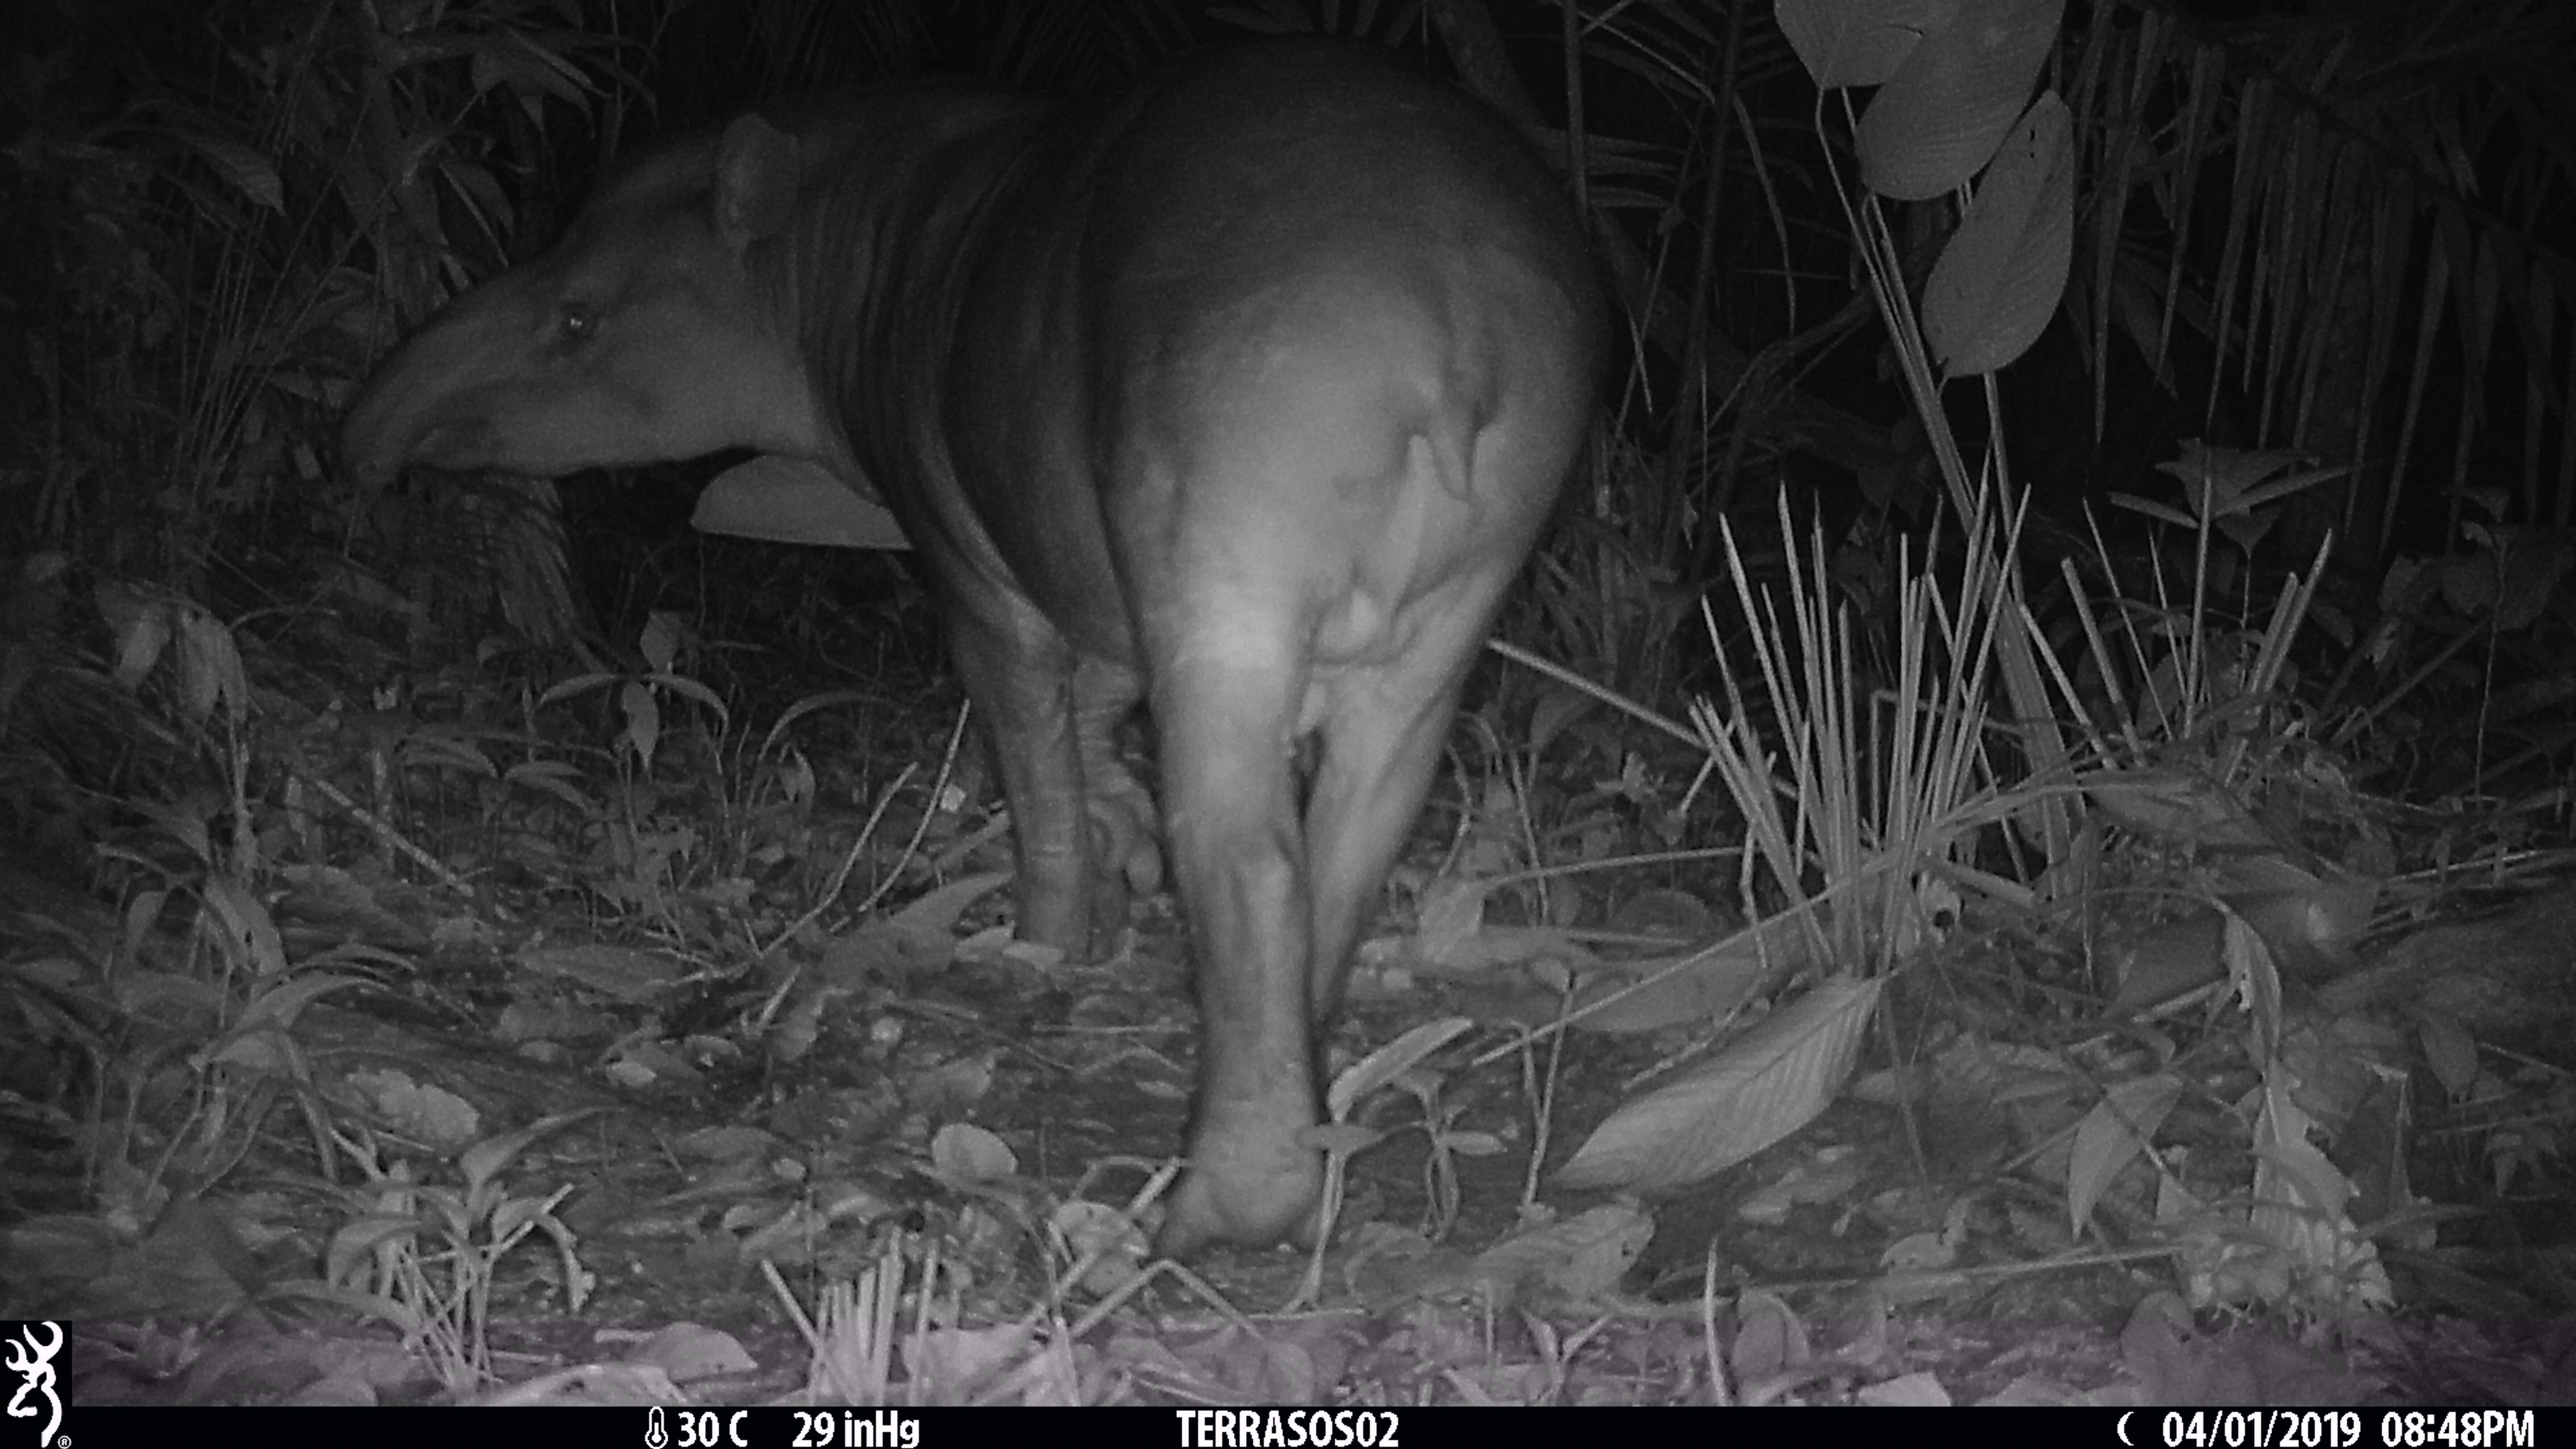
(1245, 395)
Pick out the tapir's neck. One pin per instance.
(859, 285)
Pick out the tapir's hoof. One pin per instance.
(1123, 839)
(1243, 1199)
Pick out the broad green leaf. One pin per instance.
(2110, 1138)
(1759, 1088)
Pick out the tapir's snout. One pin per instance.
(437, 398)
(383, 437)
(374, 441)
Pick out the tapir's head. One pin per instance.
(637, 339)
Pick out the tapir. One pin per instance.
(1243, 395)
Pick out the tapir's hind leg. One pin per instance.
(1226, 707)
(1277, 901)
(1383, 731)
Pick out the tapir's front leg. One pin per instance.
(1019, 675)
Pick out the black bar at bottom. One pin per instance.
(679, 1427)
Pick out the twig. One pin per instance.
(384, 831)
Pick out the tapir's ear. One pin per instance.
(755, 180)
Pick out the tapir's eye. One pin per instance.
(578, 320)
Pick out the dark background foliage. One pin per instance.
(2334, 230)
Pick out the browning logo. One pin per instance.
(27, 1350)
